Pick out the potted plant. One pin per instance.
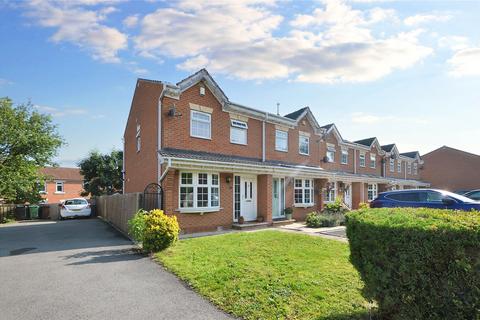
(241, 220)
(288, 213)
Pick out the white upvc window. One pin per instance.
(303, 144)
(373, 160)
(372, 191)
(330, 153)
(399, 165)
(281, 140)
(199, 191)
(138, 139)
(59, 187)
(415, 168)
(392, 165)
(303, 189)
(344, 159)
(409, 168)
(42, 187)
(331, 191)
(238, 132)
(200, 124)
(362, 159)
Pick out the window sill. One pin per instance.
(59, 193)
(286, 151)
(304, 154)
(198, 211)
(239, 143)
(304, 205)
(198, 137)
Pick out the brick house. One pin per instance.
(218, 160)
(459, 170)
(61, 183)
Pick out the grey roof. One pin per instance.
(388, 147)
(366, 142)
(327, 126)
(411, 154)
(202, 155)
(294, 115)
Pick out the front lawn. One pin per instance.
(271, 275)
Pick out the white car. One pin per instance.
(78, 207)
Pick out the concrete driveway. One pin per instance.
(84, 269)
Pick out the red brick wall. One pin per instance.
(72, 189)
(264, 196)
(451, 169)
(176, 130)
(336, 166)
(141, 167)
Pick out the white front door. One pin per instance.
(246, 196)
(278, 198)
(347, 195)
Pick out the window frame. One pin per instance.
(344, 153)
(300, 137)
(373, 161)
(277, 131)
(192, 112)
(409, 167)
(239, 125)
(399, 166)
(415, 169)
(392, 165)
(304, 190)
(210, 184)
(59, 183)
(138, 138)
(362, 156)
(328, 192)
(374, 191)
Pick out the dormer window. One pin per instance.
(238, 132)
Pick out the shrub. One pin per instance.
(161, 231)
(418, 263)
(363, 205)
(136, 225)
(334, 207)
(315, 220)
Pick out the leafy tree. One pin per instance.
(28, 141)
(102, 173)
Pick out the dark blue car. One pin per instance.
(425, 198)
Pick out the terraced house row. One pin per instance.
(218, 160)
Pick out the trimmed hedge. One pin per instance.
(418, 263)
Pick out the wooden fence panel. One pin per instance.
(118, 209)
(6, 211)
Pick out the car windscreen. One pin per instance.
(404, 196)
(457, 196)
(75, 202)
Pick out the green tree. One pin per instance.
(102, 173)
(28, 141)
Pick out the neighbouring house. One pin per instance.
(451, 169)
(218, 160)
(61, 183)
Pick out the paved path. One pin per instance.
(335, 233)
(83, 269)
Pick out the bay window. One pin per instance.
(372, 191)
(303, 191)
(199, 190)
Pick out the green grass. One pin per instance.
(271, 275)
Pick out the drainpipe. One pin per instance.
(263, 137)
(123, 166)
(355, 161)
(167, 168)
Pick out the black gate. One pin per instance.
(153, 197)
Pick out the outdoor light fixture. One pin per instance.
(228, 179)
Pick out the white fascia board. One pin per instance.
(259, 115)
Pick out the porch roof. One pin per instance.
(189, 159)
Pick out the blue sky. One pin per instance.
(405, 71)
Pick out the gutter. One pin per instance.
(167, 168)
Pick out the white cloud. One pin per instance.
(4, 82)
(80, 26)
(454, 42)
(130, 21)
(418, 19)
(68, 112)
(334, 43)
(465, 62)
(365, 118)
